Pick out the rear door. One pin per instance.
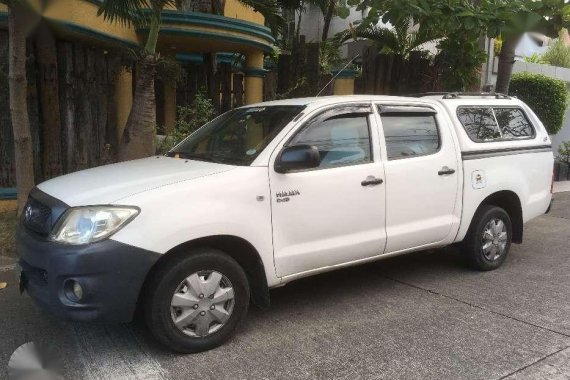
(422, 175)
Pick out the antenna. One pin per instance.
(337, 74)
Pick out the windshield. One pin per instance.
(237, 137)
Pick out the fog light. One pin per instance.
(77, 290)
(73, 290)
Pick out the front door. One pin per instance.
(332, 214)
(422, 176)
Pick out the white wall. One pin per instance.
(312, 23)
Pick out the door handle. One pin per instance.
(372, 181)
(446, 171)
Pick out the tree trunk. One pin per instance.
(138, 137)
(328, 18)
(299, 18)
(51, 151)
(18, 84)
(218, 7)
(506, 62)
(211, 65)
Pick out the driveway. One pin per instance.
(422, 316)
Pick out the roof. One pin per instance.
(457, 98)
(323, 100)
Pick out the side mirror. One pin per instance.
(297, 157)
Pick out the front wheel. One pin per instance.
(195, 302)
(489, 238)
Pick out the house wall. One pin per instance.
(312, 23)
(236, 9)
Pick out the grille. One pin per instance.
(37, 217)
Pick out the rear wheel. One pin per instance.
(195, 302)
(489, 238)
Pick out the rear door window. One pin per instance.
(488, 124)
(409, 132)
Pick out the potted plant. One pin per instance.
(563, 161)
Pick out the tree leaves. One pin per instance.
(342, 12)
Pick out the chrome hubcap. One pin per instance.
(494, 239)
(202, 303)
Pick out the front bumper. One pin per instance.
(111, 274)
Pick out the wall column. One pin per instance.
(124, 99)
(254, 74)
(344, 82)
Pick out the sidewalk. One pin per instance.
(561, 186)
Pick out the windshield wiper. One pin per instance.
(197, 157)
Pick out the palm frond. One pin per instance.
(270, 10)
(126, 12)
(132, 12)
(399, 39)
(384, 38)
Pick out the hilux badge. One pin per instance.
(285, 196)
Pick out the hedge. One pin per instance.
(547, 97)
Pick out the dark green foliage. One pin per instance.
(398, 39)
(188, 120)
(547, 97)
(460, 59)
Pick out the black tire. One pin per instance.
(473, 243)
(164, 283)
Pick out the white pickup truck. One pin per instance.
(269, 193)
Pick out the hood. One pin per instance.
(111, 183)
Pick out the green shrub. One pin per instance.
(564, 152)
(188, 119)
(547, 97)
(535, 58)
(330, 57)
(558, 54)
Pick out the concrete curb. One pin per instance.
(561, 186)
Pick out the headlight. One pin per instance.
(83, 225)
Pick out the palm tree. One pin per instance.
(327, 18)
(138, 137)
(398, 40)
(20, 22)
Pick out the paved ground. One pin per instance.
(416, 317)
